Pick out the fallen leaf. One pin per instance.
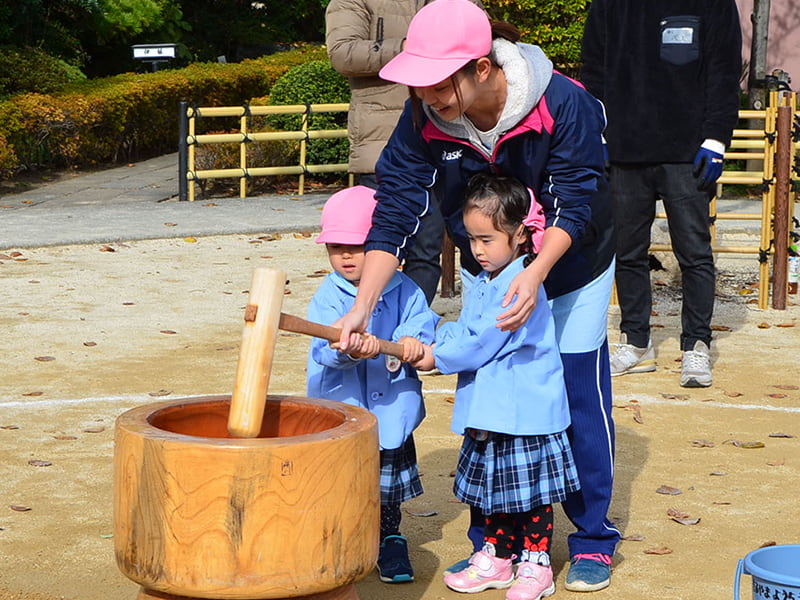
(19, 508)
(777, 396)
(675, 396)
(44, 358)
(633, 538)
(95, 429)
(746, 445)
(424, 513)
(778, 462)
(677, 514)
(90, 344)
(168, 331)
(721, 503)
(785, 325)
(128, 303)
(685, 521)
(702, 444)
(720, 328)
(107, 249)
(718, 474)
(160, 393)
(450, 399)
(210, 204)
(171, 224)
(787, 387)
(769, 543)
(778, 434)
(64, 437)
(733, 394)
(39, 463)
(9, 426)
(745, 292)
(658, 550)
(668, 490)
(190, 239)
(763, 325)
(34, 394)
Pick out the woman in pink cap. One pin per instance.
(483, 102)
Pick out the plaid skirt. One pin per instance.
(515, 473)
(399, 473)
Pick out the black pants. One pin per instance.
(422, 264)
(634, 190)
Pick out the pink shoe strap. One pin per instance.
(597, 557)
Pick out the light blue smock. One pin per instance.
(508, 382)
(394, 398)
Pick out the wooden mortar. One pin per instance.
(291, 513)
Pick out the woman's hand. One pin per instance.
(367, 347)
(352, 325)
(521, 295)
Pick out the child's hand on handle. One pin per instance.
(412, 349)
(426, 362)
(369, 346)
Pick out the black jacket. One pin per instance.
(668, 73)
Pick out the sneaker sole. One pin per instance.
(397, 578)
(647, 366)
(693, 382)
(497, 585)
(548, 592)
(582, 586)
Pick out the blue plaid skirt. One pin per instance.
(515, 473)
(399, 473)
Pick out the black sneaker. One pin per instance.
(393, 563)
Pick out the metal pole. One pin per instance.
(783, 176)
(183, 151)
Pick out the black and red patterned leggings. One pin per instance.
(535, 527)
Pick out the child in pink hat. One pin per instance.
(360, 376)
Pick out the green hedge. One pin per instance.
(129, 116)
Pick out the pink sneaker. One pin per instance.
(485, 571)
(533, 582)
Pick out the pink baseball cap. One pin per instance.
(347, 216)
(442, 37)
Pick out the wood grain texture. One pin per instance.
(201, 514)
(257, 350)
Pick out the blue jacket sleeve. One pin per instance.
(325, 308)
(417, 320)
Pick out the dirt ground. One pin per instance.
(91, 331)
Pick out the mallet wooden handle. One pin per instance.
(326, 332)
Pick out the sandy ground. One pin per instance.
(91, 331)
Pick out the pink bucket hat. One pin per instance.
(442, 37)
(347, 216)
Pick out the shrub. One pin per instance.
(556, 26)
(33, 70)
(133, 115)
(314, 82)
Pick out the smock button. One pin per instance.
(376, 395)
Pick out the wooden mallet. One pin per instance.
(262, 320)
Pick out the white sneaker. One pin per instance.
(628, 358)
(696, 366)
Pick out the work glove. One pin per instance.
(708, 164)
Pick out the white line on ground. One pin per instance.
(448, 392)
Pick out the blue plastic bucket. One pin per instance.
(775, 571)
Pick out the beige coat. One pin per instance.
(362, 36)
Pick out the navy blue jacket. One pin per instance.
(668, 73)
(556, 150)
